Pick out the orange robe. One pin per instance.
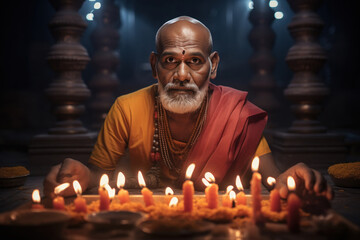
(130, 125)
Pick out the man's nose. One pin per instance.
(182, 73)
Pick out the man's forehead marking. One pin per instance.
(183, 55)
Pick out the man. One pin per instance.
(181, 120)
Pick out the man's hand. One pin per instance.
(308, 181)
(67, 171)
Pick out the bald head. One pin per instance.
(181, 29)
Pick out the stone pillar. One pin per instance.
(305, 58)
(262, 39)
(67, 92)
(105, 60)
(307, 140)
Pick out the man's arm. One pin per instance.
(67, 171)
(96, 173)
(308, 180)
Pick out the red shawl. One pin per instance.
(229, 138)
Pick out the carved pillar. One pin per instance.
(305, 58)
(67, 58)
(262, 39)
(105, 60)
(307, 140)
(67, 92)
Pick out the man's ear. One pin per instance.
(153, 60)
(215, 59)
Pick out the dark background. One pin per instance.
(25, 74)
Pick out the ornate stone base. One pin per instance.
(46, 150)
(318, 150)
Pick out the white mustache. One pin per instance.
(187, 86)
(183, 103)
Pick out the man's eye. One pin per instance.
(170, 60)
(195, 60)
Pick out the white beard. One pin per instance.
(182, 103)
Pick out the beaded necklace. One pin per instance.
(163, 145)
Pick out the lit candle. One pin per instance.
(111, 192)
(275, 204)
(36, 200)
(103, 193)
(211, 191)
(256, 192)
(147, 194)
(173, 202)
(58, 202)
(226, 202)
(80, 202)
(188, 189)
(123, 194)
(232, 195)
(168, 195)
(207, 184)
(240, 197)
(293, 205)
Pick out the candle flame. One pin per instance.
(36, 196)
(108, 188)
(238, 183)
(173, 202)
(232, 195)
(229, 188)
(104, 180)
(60, 188)
(209, 177)
(291, 183)
(120, 180)
(189, 171)
(271, 181)
(169, 191)
(110, 191)
(255, 164)
(205, 182)
(77, 187)
(141, 180)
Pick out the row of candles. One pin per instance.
(230, 199)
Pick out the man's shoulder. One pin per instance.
(141, 95)
(228, 96)
(227, 91)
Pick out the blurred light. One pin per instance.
(90, 16)
(273, 3)
(251, 4)
(92, 0)
(278, 15)
(97, 5)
